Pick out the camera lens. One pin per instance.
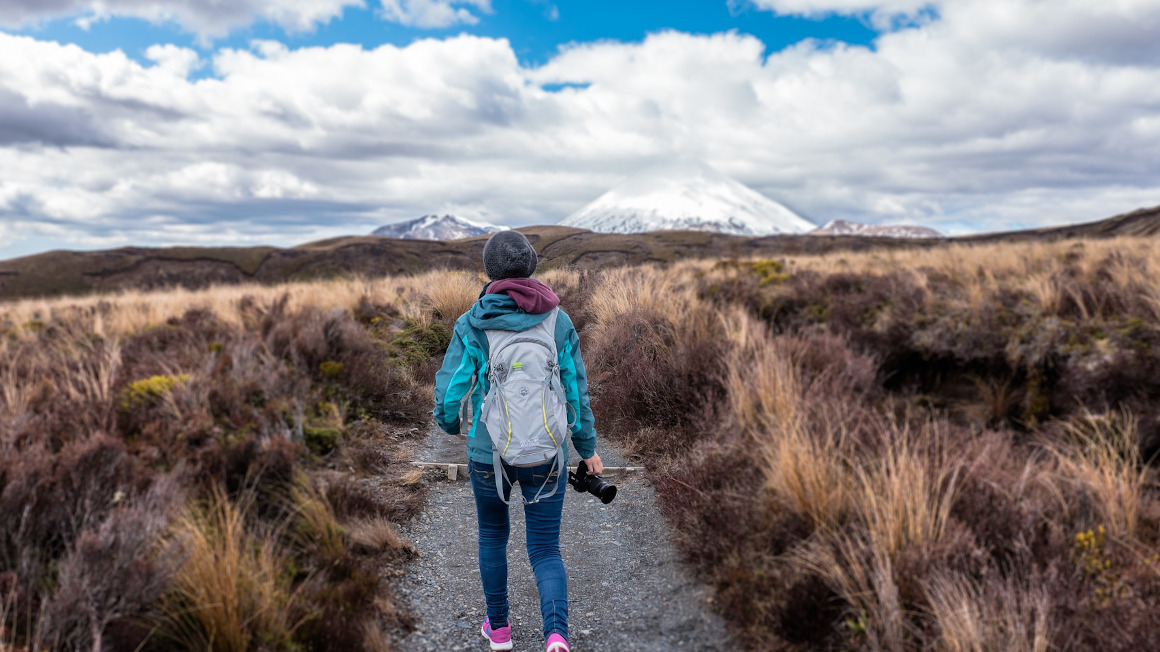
(602, 489)
(605, 493)
(593, 484)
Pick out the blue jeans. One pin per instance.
(543, 532)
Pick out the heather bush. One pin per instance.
(112, 574)
(159, 483)
(900, 451)
(647, 372)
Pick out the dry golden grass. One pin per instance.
(763, 386)
(132, 311)
(452, 293)
(377, 535)
(233, 587)
(314, 526)
(560, 276)
(866, 504)
(375, 639)
(804, 469)
(670, 293)
(904, 495)
(981, 269)
(1013, 619)
(1104, 458)
(898, 497)
(863, 576)
(806, 473)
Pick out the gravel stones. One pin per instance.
(626, 587)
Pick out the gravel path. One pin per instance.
(626, 588)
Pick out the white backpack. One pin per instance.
(525, 409)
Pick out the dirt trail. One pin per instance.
(626, 588)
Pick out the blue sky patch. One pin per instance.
(536, 29)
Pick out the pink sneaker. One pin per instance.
(556, 643)
(501, 638)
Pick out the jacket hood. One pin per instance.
(530, 295)
(501, 312)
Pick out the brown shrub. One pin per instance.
(343, 601)
(112, 574)
(647, 372)
(100, 411)
(233, 589)
(49, 500)
(724, 527)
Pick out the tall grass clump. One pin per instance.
(452, 293)
(904, 495)
(234, 589)
(1101, 454)
(969, 617)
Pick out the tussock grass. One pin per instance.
(452, 293)
(808, 474)
(904, 494)
(378, 535)
(1104, 458)
(315, 526)
(234, 589)
(862, 574)
(134, 311)
(805, 467)
(970, 619)
(652, 290)
(763, 379)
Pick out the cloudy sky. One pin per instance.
(159, 122)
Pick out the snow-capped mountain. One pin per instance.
(437, 227)
(686, 195)
(844, 227)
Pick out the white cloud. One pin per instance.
(955, 123)
(209, 18)
(883, 14)
(815, 8)
(215, 19)
(176, 60)
(1122, 30)
(434, 13)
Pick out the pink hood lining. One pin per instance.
(530, 295)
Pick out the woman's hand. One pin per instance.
(595, 466)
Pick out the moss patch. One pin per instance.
(149, 391)
(322, 439)
(417, 343)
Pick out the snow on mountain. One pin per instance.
(686, 195)
(843, 227)
(437, 227)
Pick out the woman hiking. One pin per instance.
(514, 311)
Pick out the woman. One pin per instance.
(513, 301)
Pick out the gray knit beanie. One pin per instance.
(508, 254)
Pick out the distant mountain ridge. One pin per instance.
(686, 195)
(56, 273)
(845, 227)
(437, 227)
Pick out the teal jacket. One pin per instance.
(466, 360)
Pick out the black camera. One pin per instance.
(593, 484)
